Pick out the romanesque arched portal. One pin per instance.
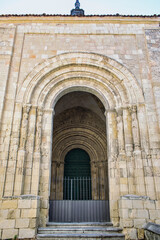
(126, 126)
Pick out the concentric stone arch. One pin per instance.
(110, 81)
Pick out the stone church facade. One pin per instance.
(90, 83)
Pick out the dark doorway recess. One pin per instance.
(79, 189)
(77, 175)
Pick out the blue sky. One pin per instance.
(131, 7)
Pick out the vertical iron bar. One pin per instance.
(65, 189)
(71, 188)
(104, 190)
(83, 190)
(89, 189)
(74, 190)
(68, 188)
(80, 190)
(86, 188)
(98, 189)
(59, 191)
(56, 189)
(100, 195)
(95, 185)
(53, 190)
(77, 189)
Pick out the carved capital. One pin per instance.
(119, 112)
(133, 109)
(26, 108)
(113, 110)
(39, 111)
(49, 110)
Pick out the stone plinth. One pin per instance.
(134, 212)
(19, 216)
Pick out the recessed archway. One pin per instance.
(79, 131)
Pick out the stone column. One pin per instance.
(28, 166)
(127, 120)
(45, 164)
(114, 178)
(94, 177)
(59, 180)
(53, 180)
(135, 128)
(37, 154)
(103, 172)
(10, 144)
(139, 185)
(18, 188)
(130, 165)
(46, 151)
(121, 143)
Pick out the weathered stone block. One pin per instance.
(27, 233)
(24, 203)
(29, 213)
(3, 213)
(44, 203)
(154, 214)
(157, 204)
(138, 204)
(125, 203)
(13, 214)
(7, 224)
(33, 223)
(127, 223)
(139, 213)
(9, 233)
(138, 223)
(115, 213)
(9, 204)
(22, 223)
(133, 234)
(149, 204)
(140, 234)
(35, 203)
(157, 221)
(124, 213)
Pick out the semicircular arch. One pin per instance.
(113, 83)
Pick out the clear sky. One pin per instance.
(131, 7)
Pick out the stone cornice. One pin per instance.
(74, 20)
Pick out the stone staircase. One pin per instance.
(75, 231)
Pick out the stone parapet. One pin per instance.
(134, 212)
(19, 216)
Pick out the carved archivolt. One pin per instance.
(79, 128)
(64, 73)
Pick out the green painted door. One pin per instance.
(77, 175)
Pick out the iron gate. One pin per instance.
(79, 200)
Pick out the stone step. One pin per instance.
(76, 231)
(100, 236)
(59, 224)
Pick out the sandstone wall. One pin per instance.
(135, 212)
(117, 59)
(19, 217)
